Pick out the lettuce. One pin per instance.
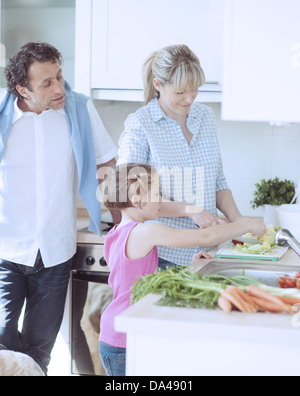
(269, 236)
(268, 245)
(263, 249)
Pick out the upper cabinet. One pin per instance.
(123, 34)
(262, 61)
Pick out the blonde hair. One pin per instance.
(176, 65)
(123, 182)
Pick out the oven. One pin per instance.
(91, 294)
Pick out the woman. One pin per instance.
(178, 137)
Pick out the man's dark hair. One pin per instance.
(16, 72)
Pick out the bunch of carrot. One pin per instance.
(254, 300)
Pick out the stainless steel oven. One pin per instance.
(90, 296)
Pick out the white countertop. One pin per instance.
(90, 237)
(84, 236)
(290, 258)
(171, 341)
(145, 316)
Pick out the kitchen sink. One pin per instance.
(265, 273)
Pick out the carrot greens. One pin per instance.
(180, 287)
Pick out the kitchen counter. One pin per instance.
(290, 258)
(85, 236)
(193, 342)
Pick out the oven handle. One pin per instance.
(89, 276)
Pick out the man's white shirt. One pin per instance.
(38, 186)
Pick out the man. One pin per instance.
(51, 142)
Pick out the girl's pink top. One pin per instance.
(123, 273)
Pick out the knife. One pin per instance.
(243, 239)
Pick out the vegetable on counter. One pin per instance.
(286, 282)
(181, 288)
(266, 243)
(268, 237)
(255, 249)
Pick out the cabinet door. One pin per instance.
(125, 33)
(262, 61)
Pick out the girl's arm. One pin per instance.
(145, 236)
(166, 236)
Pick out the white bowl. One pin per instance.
(289, 219)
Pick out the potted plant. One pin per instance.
(270, 194)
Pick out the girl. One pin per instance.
(130, 247)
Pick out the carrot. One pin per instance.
(265, 305)
(245, 297)
(289, 300)
(233, 300)
(236, 300)
(224, 304)
(255, 291)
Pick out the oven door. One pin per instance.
(91, 294)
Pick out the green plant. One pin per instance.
(273, 192)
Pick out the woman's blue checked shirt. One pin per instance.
(189, 173)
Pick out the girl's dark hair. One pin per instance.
(16, 72)
(124, 181)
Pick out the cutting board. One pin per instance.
(228, 252)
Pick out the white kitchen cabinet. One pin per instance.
(262, 61)
(124, 33)
(199, 342)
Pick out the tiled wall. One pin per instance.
(251, 151)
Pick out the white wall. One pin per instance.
(53, 25)
(251, 151)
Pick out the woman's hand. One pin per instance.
(201, 255)
(256, 226)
